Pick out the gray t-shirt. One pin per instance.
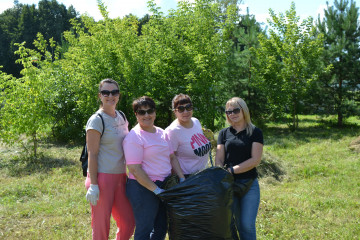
(111, 155)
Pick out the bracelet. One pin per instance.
(232, 170)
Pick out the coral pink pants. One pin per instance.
(112, 201)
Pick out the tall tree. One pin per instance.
(287, 61)
(54, 18)
(9, 23)
(27, 100)
(240, 62)
(341, 29)
(22, 22)
(28, 25)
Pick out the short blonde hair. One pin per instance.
(239, 102)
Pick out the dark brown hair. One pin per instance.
(108, 80)
(143, 102)
(180, 99)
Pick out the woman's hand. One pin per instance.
(231, 170)
(142, 177)
(92, 194)
(176, 166)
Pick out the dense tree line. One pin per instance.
(22, 22)
(207, 50)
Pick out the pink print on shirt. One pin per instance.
(200, 144)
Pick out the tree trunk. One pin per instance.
(340, 118)
(293, 127)
(339, 110)
(248, 85)
(35, 145)
(293, 113)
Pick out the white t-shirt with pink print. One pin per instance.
(190, 145)
(151, 150)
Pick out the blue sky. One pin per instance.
(119, 8)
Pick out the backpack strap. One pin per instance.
(102, 120)
(123, 115)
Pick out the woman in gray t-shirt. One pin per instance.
(106, 176)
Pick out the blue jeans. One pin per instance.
(149, 211)
(245, 211)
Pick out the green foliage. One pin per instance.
(22, 22)
(341, 29)
(184, 52)
(96, 51)
(204, 49)
(288, 61)
(239, 67)
(26, 101)
(9, 35)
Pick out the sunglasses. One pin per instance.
(107, 93)
(187, 107)
(234, 111)
(143, 112)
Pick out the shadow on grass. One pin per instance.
(26, 165)
(281, 135)
(306, 134)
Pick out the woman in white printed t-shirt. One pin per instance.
(106, 177)
(189, 143)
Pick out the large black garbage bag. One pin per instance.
(200, 207)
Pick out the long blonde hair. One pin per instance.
(239, 102)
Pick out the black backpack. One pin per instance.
(84, 154)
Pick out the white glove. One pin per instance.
(158, 190)
(92, 194)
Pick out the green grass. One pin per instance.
(319, 197)
(310, 187)
(44, 199)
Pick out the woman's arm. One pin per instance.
(141, 176)
(176, 166)
(93, 145)
(220, 155)
(256, 153)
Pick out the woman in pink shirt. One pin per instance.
(185, 133)
(149, 158)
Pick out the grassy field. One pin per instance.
(310, 187)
